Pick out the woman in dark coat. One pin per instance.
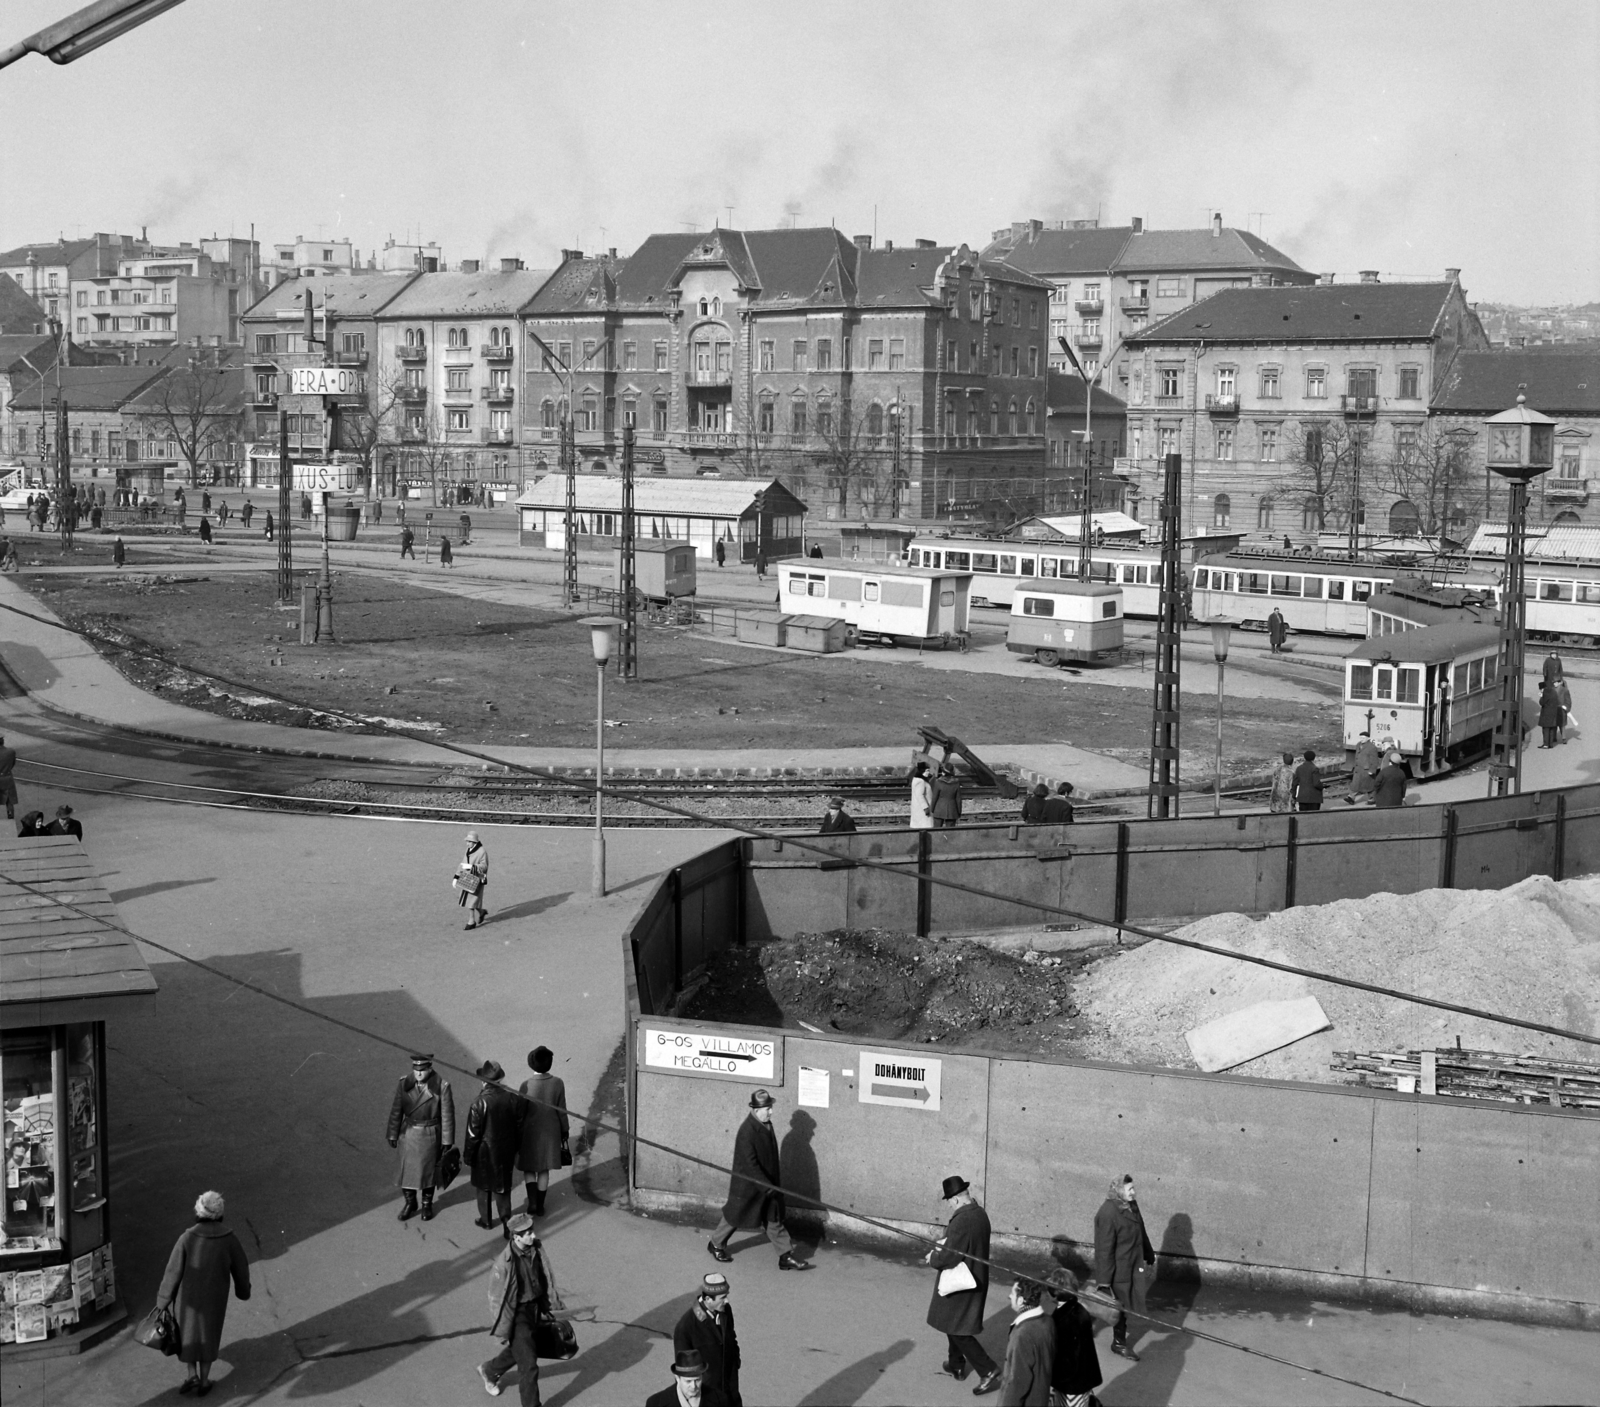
(946, 797)
(544, 1127)
(959, 1316)
(1075, 1371)
(1549, 713)
(205, 1258)
(1120, 1246)
(494, 1132)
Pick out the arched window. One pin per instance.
(705, 307)
(994, 417)
(1566, 516)
(547, 415)
(1011, 419)
(1221, 510)
(797, 417)
(875, 421)
(1031, 419)
(1264, 511)
(716, 307)
(1404, 520)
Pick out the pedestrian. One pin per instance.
(119, 553)
(407, 543)
(180, 505)
(1390, 789)
(305, 508)
(8, 556)
(1030, 1349)
(94, 517)
(206, 1257)
(489, 1151)
(946, 797)
(205, 531)
(1549, 712)
(1308, 783)
(921, 798)
(8, 778)
(543, 1141)
(377, 510)
(205, 500)
(1277, 630)
(1288, 546)
(761, 565)
(1058, 808)
(836, 819)
(689, 1387)
(1281, 797)
(1564, 695)
(31, 824)
(1364, 769)
(707, 1327)
(400, 512)
(1033, 805)
(1076, 1371)
(1120, 1248)
(522, 1292)
(223, 513)
(1553, 668)
(267, 530)
(246, 514)
(720, 552)
(466, 529)
(755, 1195)
(956, 1309)
(422, 1124)
(472, 878)
(64, 824)
(444, 552)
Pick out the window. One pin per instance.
(1227, 382)
(766, 415)
(724, 358)
(952, 355)
(1015, 360)
(1361, 381)
(897, 354)
(1058, 328)
(547, 417)
(83, 326)
(630, 356)
(1016, 312)
(630, 415)
(266, 342)
(845, 352)
(799, 354)
(1571, 465)
(1038, 606)
(1405, 440)
(1221, 508)
(1033, 313)
(590, 348)
(458, 420)
(1061, 293)
(661, 356)
(1408, 686)
(1169, 382)
(1225, 442)
(1313, 444)
(974, 416)
(589, 414)
(1011, 419)
(1361, 681)
(1264, 512)
(875, 422)
(1268, 438)
(1167, 440)
(875, 354)
(83, 298)
(1169, 288)
(1410, 380)
(1033, 361)
(458, 379)
(1091, 329)
(1032, 419)
(94, 442)
(974, 304)
(825, 418)
(564, 353)
(1316, 383)
(994, 417)
(454, 338)
(824, 354)
(950, 417)
(768, 355)
(797, 418)
(658, 419)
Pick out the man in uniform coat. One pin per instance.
(753, 1203)
(1120, 1245)
(494, 1131)
(959, 1315)
(422, 1124)
(946, 797)
(707, 1325)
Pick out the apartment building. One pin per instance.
(1293, 405)
(1073, 442)
(166, 296)
(907, 381)
(48, 273)
(96, 398)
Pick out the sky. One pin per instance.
(1403, 137)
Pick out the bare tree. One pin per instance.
(436, 454)
(1430, 467)
(198, 406)
(372, 421)
(856, 453)
(1318, 467)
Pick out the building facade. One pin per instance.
(166, 297)
(1292, 405)
(1074, 444)
(97, 398)
(50, 273)
(900, 381)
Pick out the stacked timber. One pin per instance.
(1474, 1074)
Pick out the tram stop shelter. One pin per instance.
(65, 971)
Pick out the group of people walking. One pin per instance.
(1555, 702)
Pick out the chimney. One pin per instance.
(1369, 276)
(470, 266)
(430, 264)
(1019, 228)
(1035, 228)
(863, 241)
(929, 244)
(888, 246)
(1326, 280)
(1216, 225)
(1452, 275)
(1138, 224)
(568, 254)
(611, 254)
(510, 266)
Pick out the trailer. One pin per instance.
(663, 569)
(886, 605)
(1066, 620)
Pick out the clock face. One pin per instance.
(1506, 445)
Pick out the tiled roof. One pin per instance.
(1344, 312)
(1064, 395)
(84, 387)
(38, 348)
(1489, 382)
(448, 295)
(700, 497)
(897, 277)
(230, 393)
(1092, 251)
(56, 252)
(18, 312)
(1200, 249)
(566, 289)
(355, 296)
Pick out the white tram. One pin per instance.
(1000, 566)
(1563, 602)
(883, 604)
(1431, 693)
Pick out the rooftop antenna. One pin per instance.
(874, 225)
(730, 209)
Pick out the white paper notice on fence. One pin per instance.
(813, 1087)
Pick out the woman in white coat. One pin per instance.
(921, 798)
(472, 878)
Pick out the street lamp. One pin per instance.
(1220, 630)
(603, 640)
(1521, 447)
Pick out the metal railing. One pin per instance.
(501, 395)
(710, 378)
(497, 351)
(411, 351)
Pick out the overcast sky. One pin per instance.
(1401, 137)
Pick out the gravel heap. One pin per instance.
(1531, 951)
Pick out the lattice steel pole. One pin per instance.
(627, 596)
(1505, 750)
(1163, 799)
(569, 551)
(285, 560)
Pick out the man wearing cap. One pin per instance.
(64, 824)
(494, 1129)
(422, 1124)
(521, 1292)
(690, 1387)
(707, 1327)
(752, 1200)
(837, 818)
(958, 1315)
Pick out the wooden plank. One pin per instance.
(1255, 1030)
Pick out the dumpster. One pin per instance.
(760, 629)
(821, 635)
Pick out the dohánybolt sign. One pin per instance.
(721, 1056)
(898, 1078)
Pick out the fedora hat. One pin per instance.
(761, 1100)
(689, 1363)
(954, 1185)
(490, 1070)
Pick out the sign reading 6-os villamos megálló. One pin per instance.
(724, 1057)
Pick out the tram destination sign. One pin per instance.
(720, 1055)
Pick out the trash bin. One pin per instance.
(343, 522)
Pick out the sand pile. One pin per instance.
(1531, 951)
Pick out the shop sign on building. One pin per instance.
(722, 1055)
(899, 1078)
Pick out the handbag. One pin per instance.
(554, 1338)
(159, 1330)
(469, 880)
(566, 1153)
(957, 1278)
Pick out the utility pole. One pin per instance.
(1163, 797)
(285, 559)
(569, 540)
(1087, 519)
(628, 600)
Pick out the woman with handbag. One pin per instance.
(202, 1262)
(544, 1144)
(472, 878)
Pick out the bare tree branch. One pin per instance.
(198, 406)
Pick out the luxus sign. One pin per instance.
(722, 1055)
(324, 381)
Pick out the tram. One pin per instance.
(1066, 620)
(1563, 602)
(999, 566)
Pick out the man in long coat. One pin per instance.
(946, 797)
(1364, 769)
(494, 1129)
(422, 1124)
(752, 1200)
(707, 1325)
(1277, 630)
(959, 1315)
(1030, 1349)
(1120, 1247)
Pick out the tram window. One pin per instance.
(1360, 590)
(1026, 563)
(1475, 675)
(1313, 591)
(1589, 591)
(916, 556)
(1047, 566)
(1202, 578)
(869, 591)
(1285, 585)
(1361, 681)
(1408, 688)
(1038, 606)
(983, 562)
(1385, 683)
(957, 562)
(1530, 589)
(1555, 590)
(1227, 580)
(1008, 564)
(1254, 583)
(1102, 571)
(1335, 590)
(1141, 576)
(1461, 685)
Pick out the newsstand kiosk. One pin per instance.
(63, 974)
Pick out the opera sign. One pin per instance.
(324, 381)
(722, 1055)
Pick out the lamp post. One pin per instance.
(1521, 447)
(603, 639)
(1220, 630)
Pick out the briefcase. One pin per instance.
(449, 1166)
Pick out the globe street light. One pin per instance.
(1221, 628)
(603, 640)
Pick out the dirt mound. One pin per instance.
(895, 986)
(1531, 951)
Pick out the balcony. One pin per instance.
(263, 400)
(1089, 341)
(412, 395)
(348, 358)
(1356, 407)
(1135, 305)
(412, 351)
(1222, 405)
(493, 436)
(711, 439)
(711, 378)
(497, 351)
(1090, 307)
(499, 395)
(413, 434)
(1567, 490)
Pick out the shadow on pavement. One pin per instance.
(1152, 1380)
(122, 896)
(528, 908)
(626, 1348)
(849, 1385)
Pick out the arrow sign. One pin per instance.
(717, 1054)
(916, 1092)
(901, 1079)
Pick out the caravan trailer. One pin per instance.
(885, 605)
(1066, 620)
